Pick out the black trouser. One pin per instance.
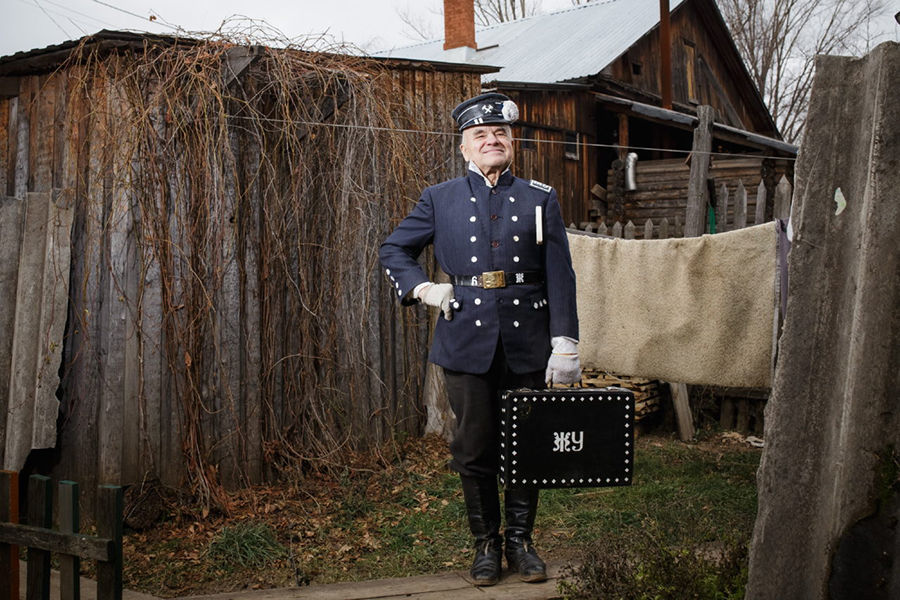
(475, 402)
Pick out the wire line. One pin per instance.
(446, 133)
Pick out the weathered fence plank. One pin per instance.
(722, 209)
(726, 414)
(9, 553)
(12, 214)
(760, 214)
(681, 402)
(69, 522)
(40, 515)
(616, 230)
(109, 525)
(664, 229)
(740, 206)
(648, 229)
(44, 539)
(695, 213)
(783, 193)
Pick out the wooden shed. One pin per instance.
(223, 319)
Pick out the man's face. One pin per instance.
(488, 146)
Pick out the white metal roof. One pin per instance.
(559, 46)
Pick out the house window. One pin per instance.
(571, 146)
(691, 79)
(635, 68)
(527, 142)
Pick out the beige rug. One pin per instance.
(693, 310)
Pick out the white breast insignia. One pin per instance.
(540, 186)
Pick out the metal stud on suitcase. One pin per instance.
(575, 437)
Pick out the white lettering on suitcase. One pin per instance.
(568, 441)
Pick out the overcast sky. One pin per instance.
(370, 24)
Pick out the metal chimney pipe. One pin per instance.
(665, 55)
(630, 168)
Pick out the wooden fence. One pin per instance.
(730, 212)
(42, 540)
(226, 321)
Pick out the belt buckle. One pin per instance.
(493, 279)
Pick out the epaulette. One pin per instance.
(540, 186)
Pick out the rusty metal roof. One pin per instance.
(559, 46)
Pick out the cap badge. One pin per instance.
(510, 111)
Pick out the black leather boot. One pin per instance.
(483, 508)
(521, 508)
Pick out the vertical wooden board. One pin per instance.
(55, 296)
(78, 433)
(11, 142)
(9, 553)
(69, 522)
(229, 365)
(12, 213)
(109, 525)
(740, 206)
(23, 137)
(40, 514)
(105, 246)
(783, 196)
(251, 319)
(759, 216)
(43, 134)
(726, 414)
(26, 333)
(4, 144)
(722, 209)
(681, 402)
(133, 409)
(151, 365)
(61, 128)
(173, 386)
(743, 416)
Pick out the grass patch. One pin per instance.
(683, 525)
(250, 544)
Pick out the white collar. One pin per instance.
(487, 182)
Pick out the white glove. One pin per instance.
(563, 366)
(438, 295)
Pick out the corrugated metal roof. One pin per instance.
(559, 46)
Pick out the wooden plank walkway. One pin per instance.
(426, 587)
(88, 587)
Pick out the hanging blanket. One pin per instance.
(690, 310)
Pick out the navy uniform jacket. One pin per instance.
(477, 228)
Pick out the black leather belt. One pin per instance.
(497, 279)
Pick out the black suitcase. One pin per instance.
(573, 437)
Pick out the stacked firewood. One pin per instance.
(648, 393)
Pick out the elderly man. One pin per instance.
(508, 319)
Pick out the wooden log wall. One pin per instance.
(239, 389)
(662, 189)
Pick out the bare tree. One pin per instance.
(490, 12)
(418, 26)
(487, 12)
(779, 39)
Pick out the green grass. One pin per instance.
(680, 531)
(250, 544)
